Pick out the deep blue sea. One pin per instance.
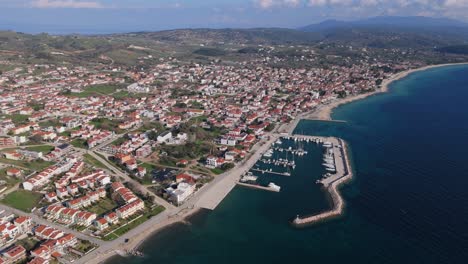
(407, 204)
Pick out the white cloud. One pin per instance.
(367, 3)
(455, 3)
(317, 2)
(267, 4)
(292, 3)
(330, 2)
(65, 4)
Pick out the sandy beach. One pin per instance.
(323, 112)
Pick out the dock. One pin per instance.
(323, 120)
(272, 172)
(254, 186)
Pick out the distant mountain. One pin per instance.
(386, 22)
(393, 32)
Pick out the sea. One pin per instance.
(408, 202)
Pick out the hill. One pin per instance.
(236, 36)
(389, 32)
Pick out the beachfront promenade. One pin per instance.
(332, 184)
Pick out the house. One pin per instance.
(14, 172)
(141, 171)
(14, 254)
(122, 194)
(12, 155)
(131, 165)
(183, 177)
(111, 218)
(47, 232)
(230, 155)
(23, 223)
(228, 141)
(182, 162)
(38, 260)
(62, 192)
(214, 162)
(164, 137)
(101, 224)
(130, 209)
(85, 218)
(122, 158)
(72, 189)
(143, 152)
(51, 197)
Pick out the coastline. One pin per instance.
(140, 238)
(322, 112)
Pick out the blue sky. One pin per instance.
(107, 16)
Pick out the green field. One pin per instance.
(107, 124)
(28, 243)
(44, 149)
(36, 165)
(22, 200)
(119, 141)
(50, 123)
(98, 90)
(79, 143)
(18, 119)
(103, 206)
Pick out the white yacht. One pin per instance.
(247, 178)
(274, 187)
(268, 154)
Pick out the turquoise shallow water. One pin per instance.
(407, 204)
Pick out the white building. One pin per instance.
(164, 137)
(183, 191)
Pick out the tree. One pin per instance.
(227, 166)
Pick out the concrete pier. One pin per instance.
(272, 172)
(343, 175)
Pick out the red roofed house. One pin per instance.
(14, 254)
(13, 172)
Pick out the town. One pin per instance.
(88, 153)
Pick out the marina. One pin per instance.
(332, 183)
(280, 160)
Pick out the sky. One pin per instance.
(110, 16)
